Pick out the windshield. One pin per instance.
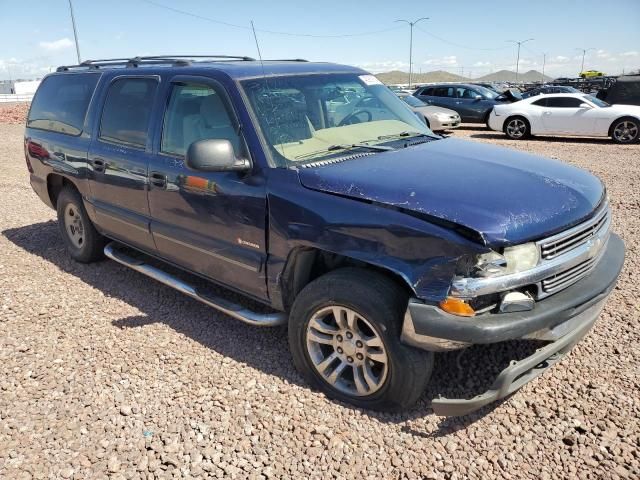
(413, 101)
(485, 91)
(596, 101)
(309, 117)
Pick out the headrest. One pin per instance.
(213, 111)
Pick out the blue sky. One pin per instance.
(468, 37)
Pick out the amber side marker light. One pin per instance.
(456, 306)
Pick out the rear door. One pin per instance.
(212, 223)
(119, 158)
(442, 96)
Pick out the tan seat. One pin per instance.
(212, 122)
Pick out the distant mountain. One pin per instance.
(397, 76)
(509, 76)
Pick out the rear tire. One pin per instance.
(625, 131)
(517, 128)
(82, 240)
(344, 336)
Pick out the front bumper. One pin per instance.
(563, 318)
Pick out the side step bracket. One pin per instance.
(232, 309)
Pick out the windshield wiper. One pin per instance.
(333, 148)
(405, 135)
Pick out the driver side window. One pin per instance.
(196, 112)
(462, 92)
(563, 102)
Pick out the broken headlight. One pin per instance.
(512, 260)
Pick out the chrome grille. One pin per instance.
(574, 237)
(562, 280)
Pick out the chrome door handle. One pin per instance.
(158, 179)
(98, 165)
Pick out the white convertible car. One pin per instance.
(567, 114)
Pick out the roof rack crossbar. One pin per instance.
(231, 57)
(178, 60)
(286, 60)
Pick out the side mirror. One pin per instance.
(214, 155)
(584, 105)
(477, 97)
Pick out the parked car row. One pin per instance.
(546, 110)
(472, 102)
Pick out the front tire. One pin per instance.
(82, 240)
(344, 336)
(625, 131)
(517, 128)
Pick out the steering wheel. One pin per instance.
(353, 118)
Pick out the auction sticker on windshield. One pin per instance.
(369, 80)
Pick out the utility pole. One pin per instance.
(75, 32)
(584, 52)
(544, 61)
(518, 57)
(411, 24)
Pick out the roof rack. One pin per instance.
(286, 60)
(175, 60)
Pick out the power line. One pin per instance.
(457, 44)
(272, 32)
(519, 43)
(411, 25)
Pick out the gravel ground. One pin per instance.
(106, 374)
(13, 113)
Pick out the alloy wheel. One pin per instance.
(73, 224)
(516, 128)
(346, 351)
(625, 131)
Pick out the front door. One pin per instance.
(213, 223)
(468, 105)
(118, 158)
(564, 115)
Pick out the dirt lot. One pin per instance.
(104, 373)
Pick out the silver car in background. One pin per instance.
(437, 118)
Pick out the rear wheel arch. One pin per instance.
(55, 184)
(306, 264)
(623, 117)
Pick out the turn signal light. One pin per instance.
(456, 306)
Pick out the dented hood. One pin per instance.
(506, 196)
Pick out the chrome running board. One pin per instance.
(233, 310)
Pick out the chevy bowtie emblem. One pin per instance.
(594, 246)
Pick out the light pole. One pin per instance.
(411, 24)
(75, 33)
(584, 52)
(518, 58)
(544, 61)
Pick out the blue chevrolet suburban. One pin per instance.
(374, 240)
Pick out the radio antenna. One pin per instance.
(255, 37)
(264, 77)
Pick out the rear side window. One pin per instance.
(61, 103)
(127, 110)
(444, 92)
(540, 103)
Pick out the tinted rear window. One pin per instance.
(127, 110)
(61, 103)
